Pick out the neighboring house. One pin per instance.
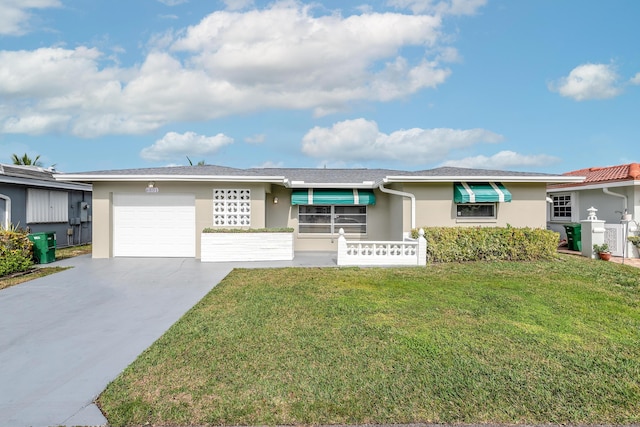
(613, 190)
(161, 211)
(32, 199)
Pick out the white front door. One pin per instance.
(154, 225)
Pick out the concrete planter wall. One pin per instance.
(226, 247)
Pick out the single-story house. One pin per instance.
(161, 212)
(32, 199)
(614, 191)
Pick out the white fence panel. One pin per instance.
(614, 237)
(369, 253)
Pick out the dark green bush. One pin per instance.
(458, 244)
(15, 251)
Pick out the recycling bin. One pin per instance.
(44, 247)
(574, 236)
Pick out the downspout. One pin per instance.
(611, 193)
(403, 194)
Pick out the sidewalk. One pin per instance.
(633, 262)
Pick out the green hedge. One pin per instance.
(15, 251)
(458, 244)
(248, 230)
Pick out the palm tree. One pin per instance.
(25, 160)
(200, 163)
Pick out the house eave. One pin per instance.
(165, 178)
(595, 186)
(550, 179)
(30, 182)
(343, 185)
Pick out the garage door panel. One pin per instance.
(154, 225)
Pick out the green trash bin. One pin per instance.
(44, 247)
(574, 236)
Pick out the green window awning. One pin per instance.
(480, 192)
(315, 196)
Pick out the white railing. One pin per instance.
(408, 252)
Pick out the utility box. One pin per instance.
(83, 208)
(574, 236)
(44, 247)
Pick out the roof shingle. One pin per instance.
(597, 175)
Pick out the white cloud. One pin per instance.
(15, 15)
(290, 60)
(504, 160)
(255, 139)
(172, 2)
(174, 145)
(361, 140)
(238, 4)
(588, 81)
(635, 79)
(269, 164)
(442, 7)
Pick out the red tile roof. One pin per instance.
(596, 175)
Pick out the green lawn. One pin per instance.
(542, 342)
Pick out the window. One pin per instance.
(329, 219)
(232, 207)
(561, 206)
(478, 210)
(47, 206)
(5, 211)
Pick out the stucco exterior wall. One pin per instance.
(399, 213)
(387, 220)
(435, 207)
(103, 207)
(283, 214)
(609, 207)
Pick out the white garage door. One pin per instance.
(154, 225)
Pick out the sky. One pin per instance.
(517, 85)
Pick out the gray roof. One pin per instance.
(307, 176)
(172, 170)
(328, 176)
(450, 171)
(35, 176)
(29, 172)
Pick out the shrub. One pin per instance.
(458, 244)
(15, 251)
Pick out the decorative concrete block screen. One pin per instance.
(231, 207)
(367, 253)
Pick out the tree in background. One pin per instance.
(26, 160)
(200, 163)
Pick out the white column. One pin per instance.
(422, 248)
(592, 230)
(342, 248)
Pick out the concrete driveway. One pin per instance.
(64, 337)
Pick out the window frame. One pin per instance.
(47, 206)
(5, 221)
(333, 225)
(494, 206)
(569, 201)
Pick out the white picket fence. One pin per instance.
(371, 253)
